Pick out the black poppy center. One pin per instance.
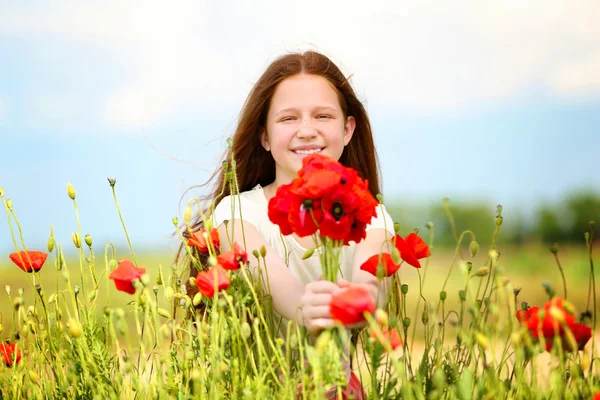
(307, 204)
(336, 210)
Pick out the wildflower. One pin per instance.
(385, 260)
(412, 248)
(232, 258)
(207, 281)
(326, 196)
(11, 353)
(125, 274)
(202, 239)
(391, 336)
(349, 304)
(555, 321)
(29, 260)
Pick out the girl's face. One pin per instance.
(304, 117)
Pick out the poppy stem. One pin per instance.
(123, 224)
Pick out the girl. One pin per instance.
(302, 104)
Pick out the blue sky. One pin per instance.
(497, 102)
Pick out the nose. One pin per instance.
(307, 130)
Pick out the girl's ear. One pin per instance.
(349, 129)
(264, 140)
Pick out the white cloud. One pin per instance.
(422, 55)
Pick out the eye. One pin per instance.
(323, 116)
(286, 119)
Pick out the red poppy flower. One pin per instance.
(412, 248)
(201, 239)
(349, 304)
(552, 321)
(207, 281)
(232, 258)
(524, 315)
(279, 208)
(384, 259)
(125, 274)
(316, 162)
(391, 336)
(29, 260)
(582, 335)
(11, 353)
(305, 217)
(597, 396)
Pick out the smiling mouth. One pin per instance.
(306, 152)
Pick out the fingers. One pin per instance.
(315, 313)
(319, 324)
(342, 283)
(321, 287)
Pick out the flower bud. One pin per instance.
(308, 253)
(169, 293)
(165, 331)
(51, 243)
(429, 225)
(192, 281)
(462, 295)
(112, 182)
(9, 204)
(245, 330)
(76, 290)
(175, 221)
(404, 288)
(425, 316)
(88, 240)
(92, 296)
(163, 313)
(406, 322)
(553, 248)
(396, 256)
(76, 239)
(499, 220)
(197, 299)
(474, 248)
(74, 328)
(443, 295)
(71, 191)
(255, 254)
(1, 192)
(482, 340)
(187, 215)
(483, 271)
(7, 288)
(263, 251)
(381, 317)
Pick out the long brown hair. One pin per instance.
(255, 165)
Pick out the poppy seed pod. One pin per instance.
(88, 240)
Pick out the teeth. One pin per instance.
(307, 151)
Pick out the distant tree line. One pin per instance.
(565, 222)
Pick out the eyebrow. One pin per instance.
(293, 109)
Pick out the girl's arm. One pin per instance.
(304, 304)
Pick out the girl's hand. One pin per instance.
(315, 305)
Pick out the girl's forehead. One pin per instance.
(304, 91)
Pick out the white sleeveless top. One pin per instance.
(254, 209)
